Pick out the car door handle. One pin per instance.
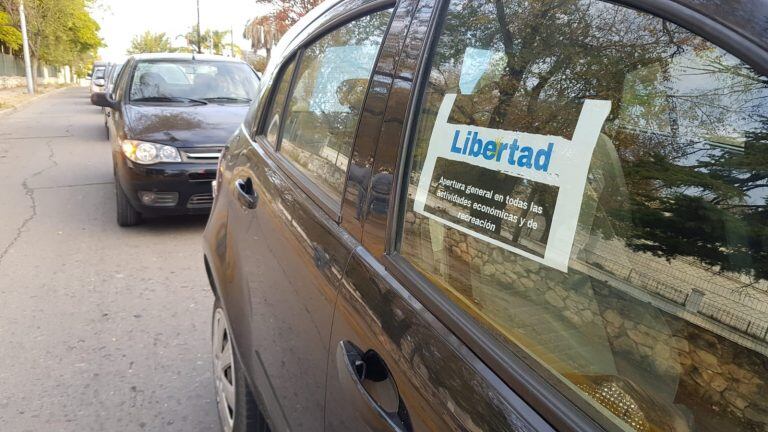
(246, 195)
(354, 368)
(320, 257)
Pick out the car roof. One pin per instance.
(185, 56)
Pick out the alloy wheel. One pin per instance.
(224, 370)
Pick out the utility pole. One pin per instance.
(232, 40)
(199, 36)
(25, 41)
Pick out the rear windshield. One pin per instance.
(185, 80)
(98, 72)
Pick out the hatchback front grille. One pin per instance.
(201, 155)
(201, 200)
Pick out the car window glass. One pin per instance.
(327, 98)
(202, 80)
(114, 75)
(589, 183)
(278, 103)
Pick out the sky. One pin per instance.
(121, 20)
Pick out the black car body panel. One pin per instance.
(184, 126)
(310, 290)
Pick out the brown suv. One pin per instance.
(494, 215)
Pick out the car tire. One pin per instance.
(126, 215)
(242, 414)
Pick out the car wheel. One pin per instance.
(126, 214)
(238, 411)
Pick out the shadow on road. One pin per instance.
(171, 224)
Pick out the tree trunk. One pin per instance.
(35, 63)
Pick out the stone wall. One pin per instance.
(331, 174)
(711, 380)
(12, 82)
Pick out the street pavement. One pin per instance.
(101, 328)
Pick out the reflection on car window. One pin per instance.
(657, 319)
(327, 98)
(278, 104)
(187, 79)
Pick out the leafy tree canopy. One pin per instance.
(10, 36)
(149, 42)
(265, 31)
(214, 41)
(60, 32)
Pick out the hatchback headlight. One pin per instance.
(149, 153)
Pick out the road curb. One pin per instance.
(7, 111)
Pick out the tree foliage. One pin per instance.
(10, 36)
(213, 41)
(265, 31)
(61, 32)
(149, 42)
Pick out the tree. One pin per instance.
(265, 31)
(149, 42)
(61, 32)
(10, 36)
(214, 41)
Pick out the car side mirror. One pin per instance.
(100, 82)
(103, 100)
(89, 76)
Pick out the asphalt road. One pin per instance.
(101, 328)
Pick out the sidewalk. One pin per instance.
(17, 96)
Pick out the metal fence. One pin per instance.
(13, 66)
(742, 317)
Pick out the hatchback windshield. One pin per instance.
(191, 81)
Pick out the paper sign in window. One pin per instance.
(488, 183)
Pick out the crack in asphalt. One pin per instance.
(30, 192)
(73, 186)
(37, 137)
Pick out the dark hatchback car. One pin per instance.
(491, 216)
(169, 118)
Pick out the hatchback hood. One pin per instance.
(184, 126)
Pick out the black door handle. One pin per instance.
(357, 370)
(246, 195)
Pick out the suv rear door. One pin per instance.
(289, 251)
